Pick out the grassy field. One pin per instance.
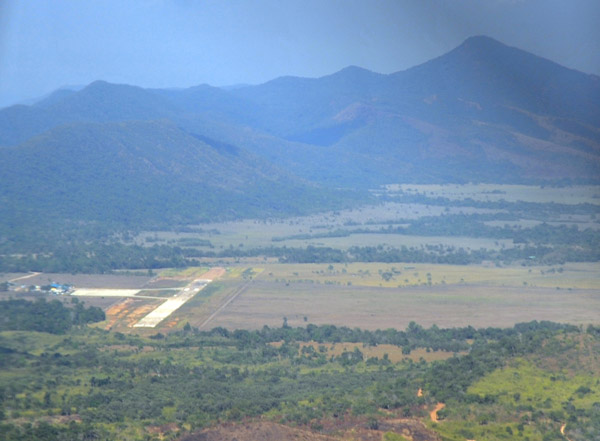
(247, 234)
(251, 234)
(366, 295)
(579, 194)
(524, 382)
(357, 295)
(372, 308)
(568, 276)
(527, 388)
(256, 233)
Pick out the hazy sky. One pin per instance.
(46, 44)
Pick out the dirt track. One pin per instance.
(562, 431)
(434, 413)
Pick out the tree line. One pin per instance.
(43, 316)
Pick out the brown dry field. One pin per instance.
(379, 308)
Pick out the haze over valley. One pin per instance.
(410, 255)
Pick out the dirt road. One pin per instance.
(562, 431)
(434, 413)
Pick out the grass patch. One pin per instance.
(523, 384)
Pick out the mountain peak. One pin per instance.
(101, 85)
(98, 85)
(355, 74)
(353, 69)
(482, 46)
(481, 40)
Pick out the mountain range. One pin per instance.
(483, 112)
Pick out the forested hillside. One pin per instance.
(149, 173)
(484, 112)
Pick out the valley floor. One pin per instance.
(366, 295)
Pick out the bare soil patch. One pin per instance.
(126, 313)
(116, 311)
(351, 429)
(411, 429)
(256, 431)
(213, 273)
(163, 430)
(358, 428)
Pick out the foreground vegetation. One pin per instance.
(518, 383)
